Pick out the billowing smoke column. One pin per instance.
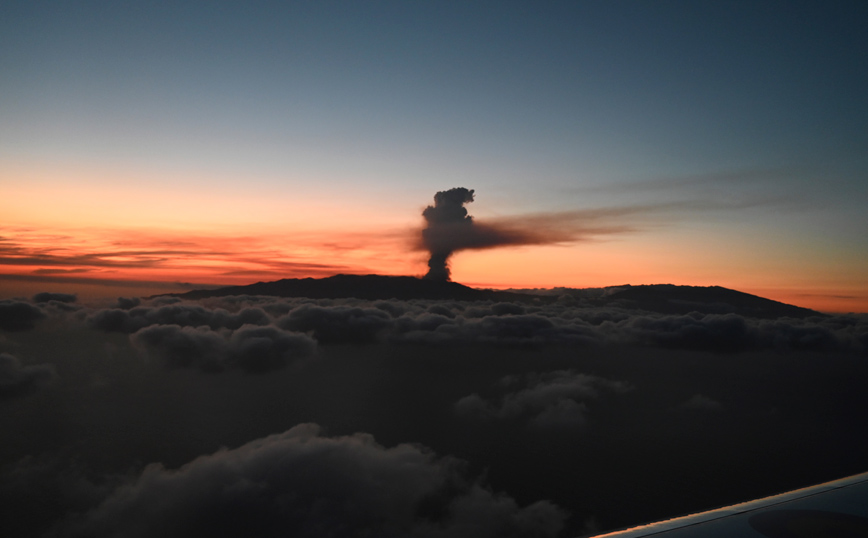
(450, 229)
(447, 222)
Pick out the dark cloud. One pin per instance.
(394, 309)
(184, 315)
(114, 320)
(442, 310)
(575, 324)
(508, 329)
(502, 323)
(733, 333)
(721, 333)
(18, 315)
(300, 483)
(39, 491)
(184, 347)
(58, 307)
(535, 395)
(424, 327)
(273, 306)
(557, 399)
(251, 348)
(700, 402)
(338, 323)
(17, 380)
(261, 349)
(162, 300)
(126, 303)
(45, 297)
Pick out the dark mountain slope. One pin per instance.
(362, 287)
(671, 299)
(662, 298)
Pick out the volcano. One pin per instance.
(660, 298)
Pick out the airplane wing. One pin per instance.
(833, 509)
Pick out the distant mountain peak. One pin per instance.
(660, 298)
(361, 287)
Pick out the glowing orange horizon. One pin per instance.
(99, 264)
(89, 230)
(21, 284)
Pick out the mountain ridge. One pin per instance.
(660, 298)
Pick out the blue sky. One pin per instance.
(755, 108)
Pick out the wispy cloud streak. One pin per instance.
(104, 257)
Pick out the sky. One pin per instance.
(158, 147)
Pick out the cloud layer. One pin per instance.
(561, 401)
(18, 315)
(17, 380)
(254, 349)
(551, 400)
(301, 483)
(567, 322)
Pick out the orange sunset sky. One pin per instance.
(160, 149)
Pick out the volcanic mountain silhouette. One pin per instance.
(660, 298)
(369, 287)
(672, 299)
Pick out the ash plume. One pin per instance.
(449, 228)
(448, 222)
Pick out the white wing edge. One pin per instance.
(735, 509)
